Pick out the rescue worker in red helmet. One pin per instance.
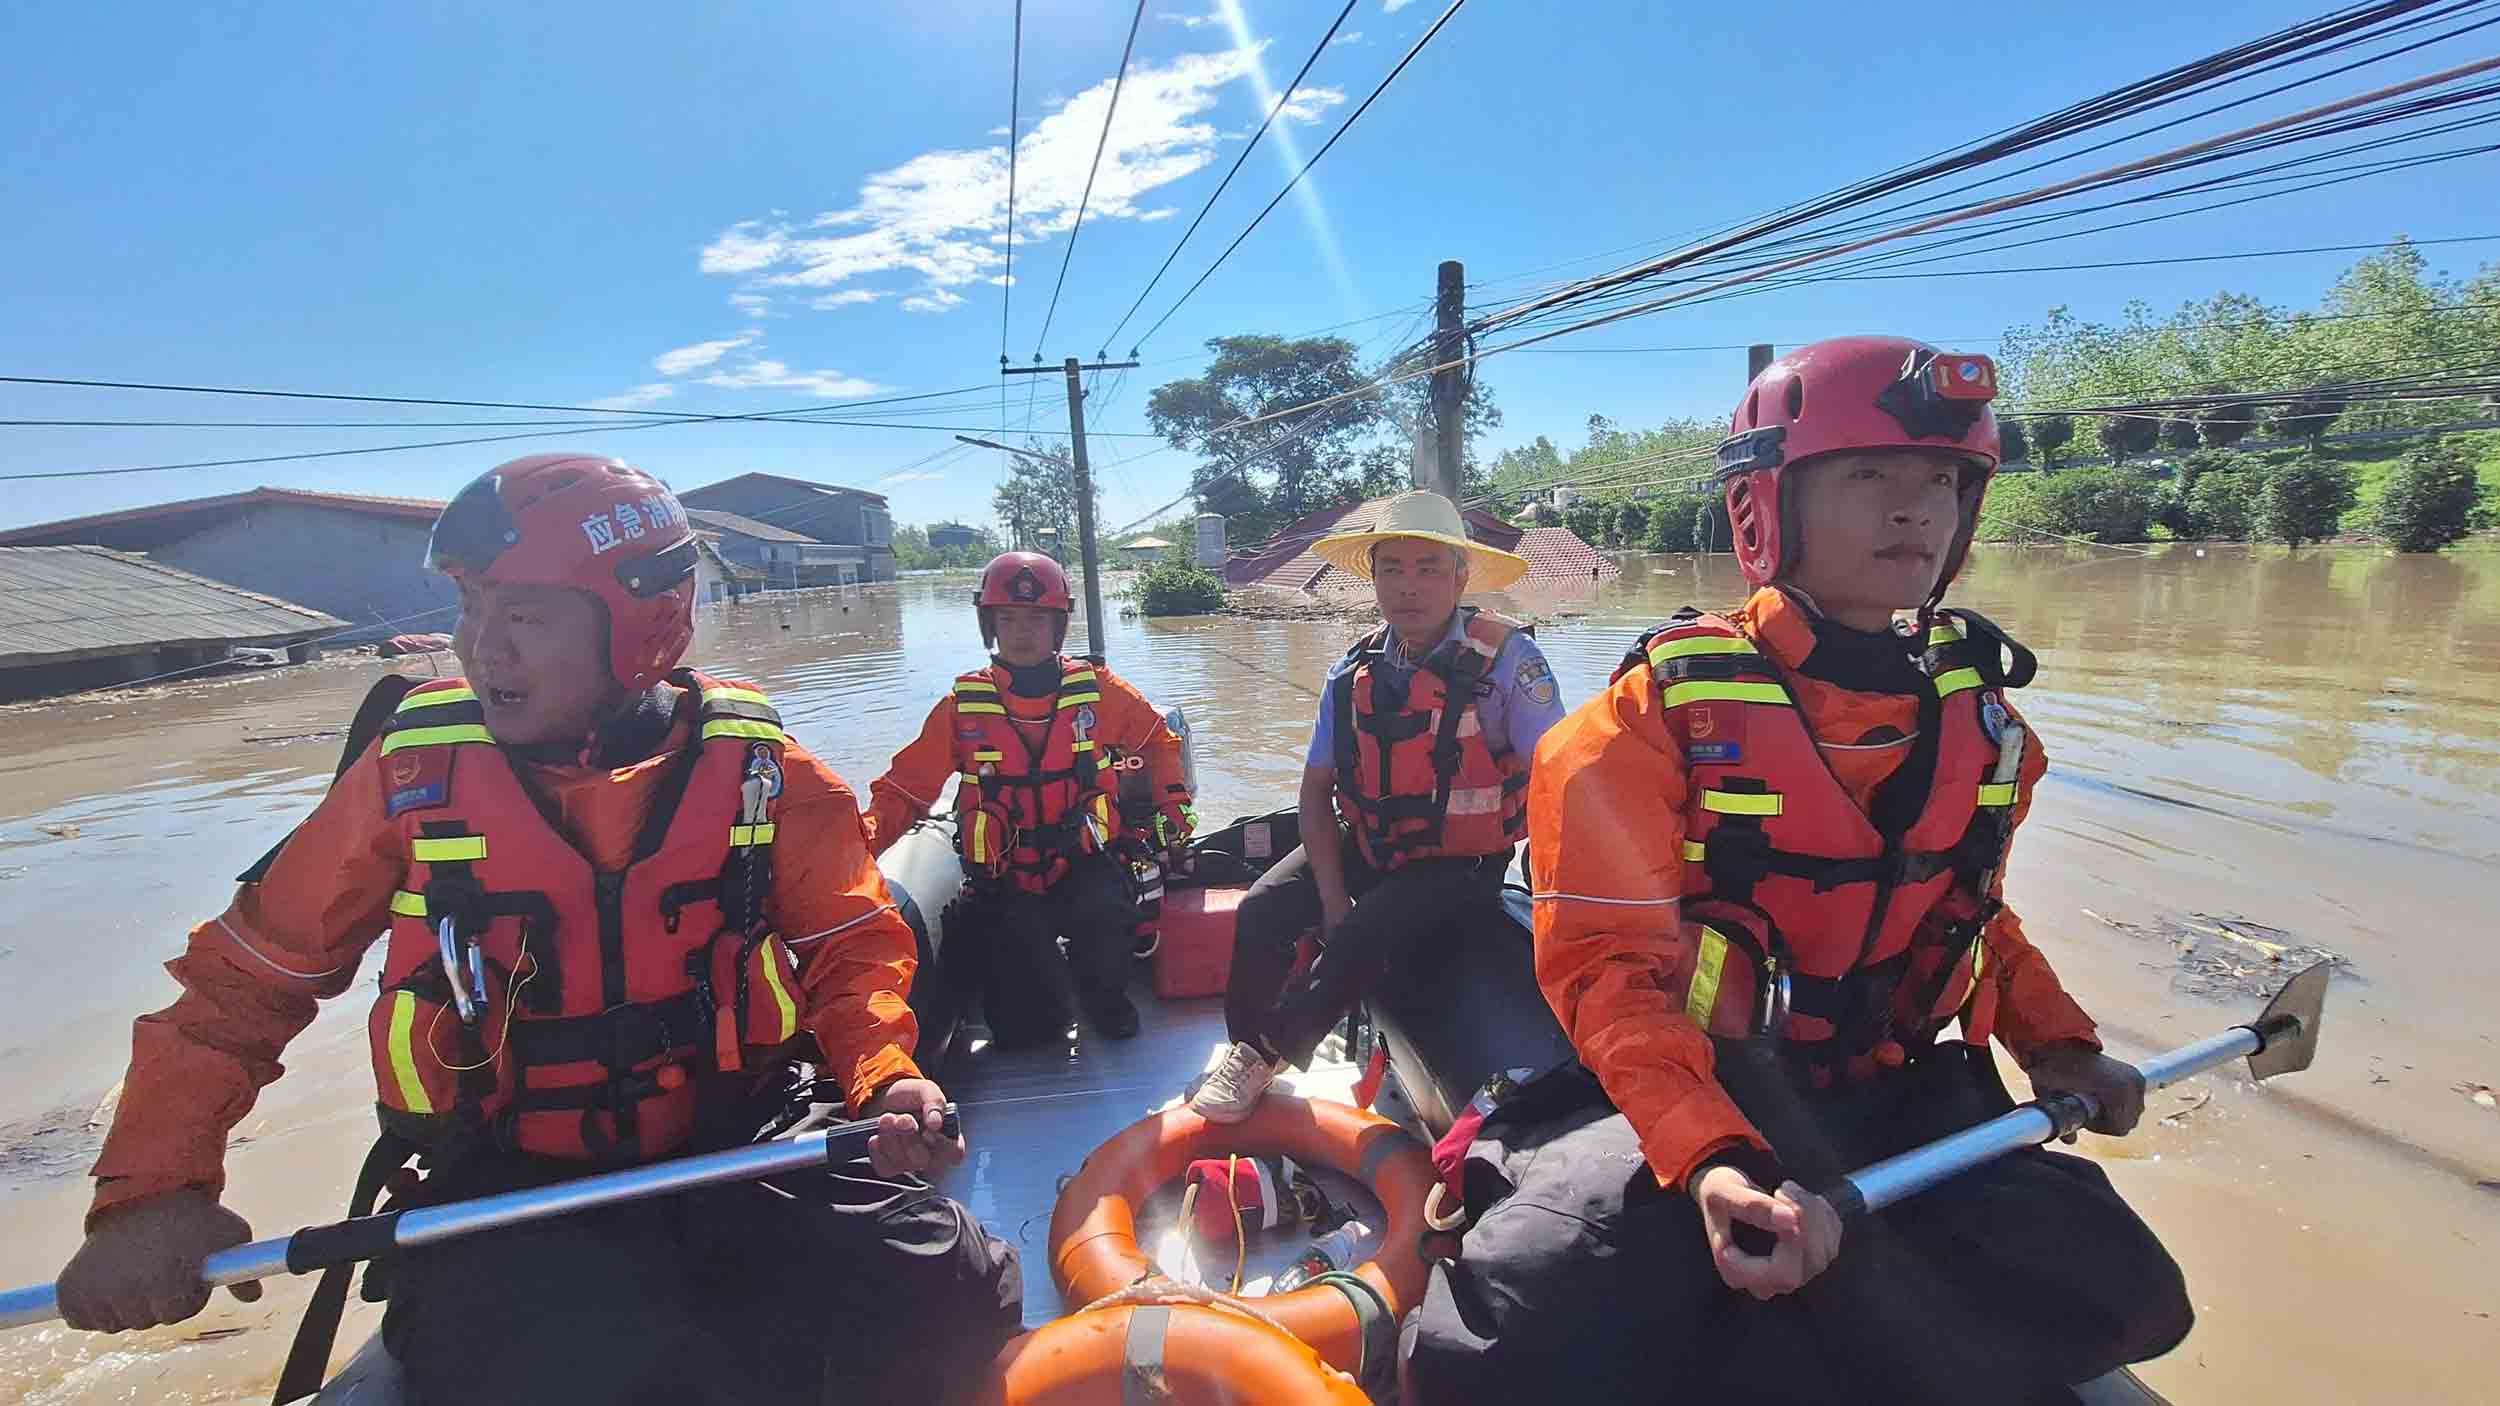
(617, 903)
(1414, 794)
(1069, 792)
(1768, 869)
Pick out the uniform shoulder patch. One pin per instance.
(417, 778)
(1534, 678)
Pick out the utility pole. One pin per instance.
(1757, 357)
(1449, 382)
(1087, 550)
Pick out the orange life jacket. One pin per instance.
(596, 997)
(1416, 777)
(1849, 940)
(1058, 800)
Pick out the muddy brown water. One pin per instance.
(2247, 746)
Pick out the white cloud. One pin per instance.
(761, 374)
(752, 304)
(847, 297)
(942, 214)
(896, 480)
(700, 355)
(640, 397)
(1391, 7)
(1307, 104)
(1190, 21)
(1351, 36)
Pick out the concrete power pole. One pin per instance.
(1449, 384)
(1757, 356)
(1088, 552)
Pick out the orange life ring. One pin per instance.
(1093, 1231)
(1192, 1356)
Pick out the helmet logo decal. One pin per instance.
(601, 530)
(1026, 586)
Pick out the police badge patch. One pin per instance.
(1535, 679)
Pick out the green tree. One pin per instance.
(2429, 503)
(1693, 519)
(2129, 435)
(2309, 417)
(1631, 524)
(2049, 434)
(1587, 520)
(2226, 424)
(2221, 497)
(2305, 500)
(2178, 433)
(1264, 475)
(2017, 445)
(1040, 492)
(2106, 505)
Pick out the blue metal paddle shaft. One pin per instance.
(319, 1247)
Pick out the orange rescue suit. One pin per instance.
(251, 977)
(1056, 769)
(1415, 778)
(1701, 828)
(560, 1005)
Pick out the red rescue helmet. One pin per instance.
(1023, 578)
(1853, 393)
(586, 524)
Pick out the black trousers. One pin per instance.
(1393, 914)
(1010, 949)
(833, 1287)
(1585, 1280)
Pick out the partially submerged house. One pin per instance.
(76, 617)
(350, 555)
(796, 532)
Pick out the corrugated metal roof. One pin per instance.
(157, 523)
(745, 526)
(62, 603)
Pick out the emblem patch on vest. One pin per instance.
(1713, 736)
(416, 779)
(760, 763)
(1713, 753)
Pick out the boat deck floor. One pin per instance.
(1032, 1115)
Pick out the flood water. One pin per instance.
(2304, 745)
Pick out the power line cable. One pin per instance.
(1283, 99)
(1118, 80)
(1342, 128)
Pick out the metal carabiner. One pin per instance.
(1775, 997)
(447, 947)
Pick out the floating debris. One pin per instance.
(60, 831)
(2178, 1117)
(2226, 955)
(2481, 1094)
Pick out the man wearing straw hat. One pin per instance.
(1413, 791)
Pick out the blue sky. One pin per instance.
(734, 209)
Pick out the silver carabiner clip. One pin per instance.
(1775, 993)
(447, 947)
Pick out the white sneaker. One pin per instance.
(1233, 1088)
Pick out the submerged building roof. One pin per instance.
(59, 604)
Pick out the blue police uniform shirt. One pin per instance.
(1525, 700)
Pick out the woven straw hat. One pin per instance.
(1428, 517)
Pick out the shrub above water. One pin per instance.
(2430, 501)
(2304, 500)
(1178, 588)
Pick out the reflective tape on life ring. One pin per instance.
(1178, 1354)
(1093, 1230)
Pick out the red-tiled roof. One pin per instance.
(136, 522)
(1556, 556)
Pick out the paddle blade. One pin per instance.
(2289, 1026)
